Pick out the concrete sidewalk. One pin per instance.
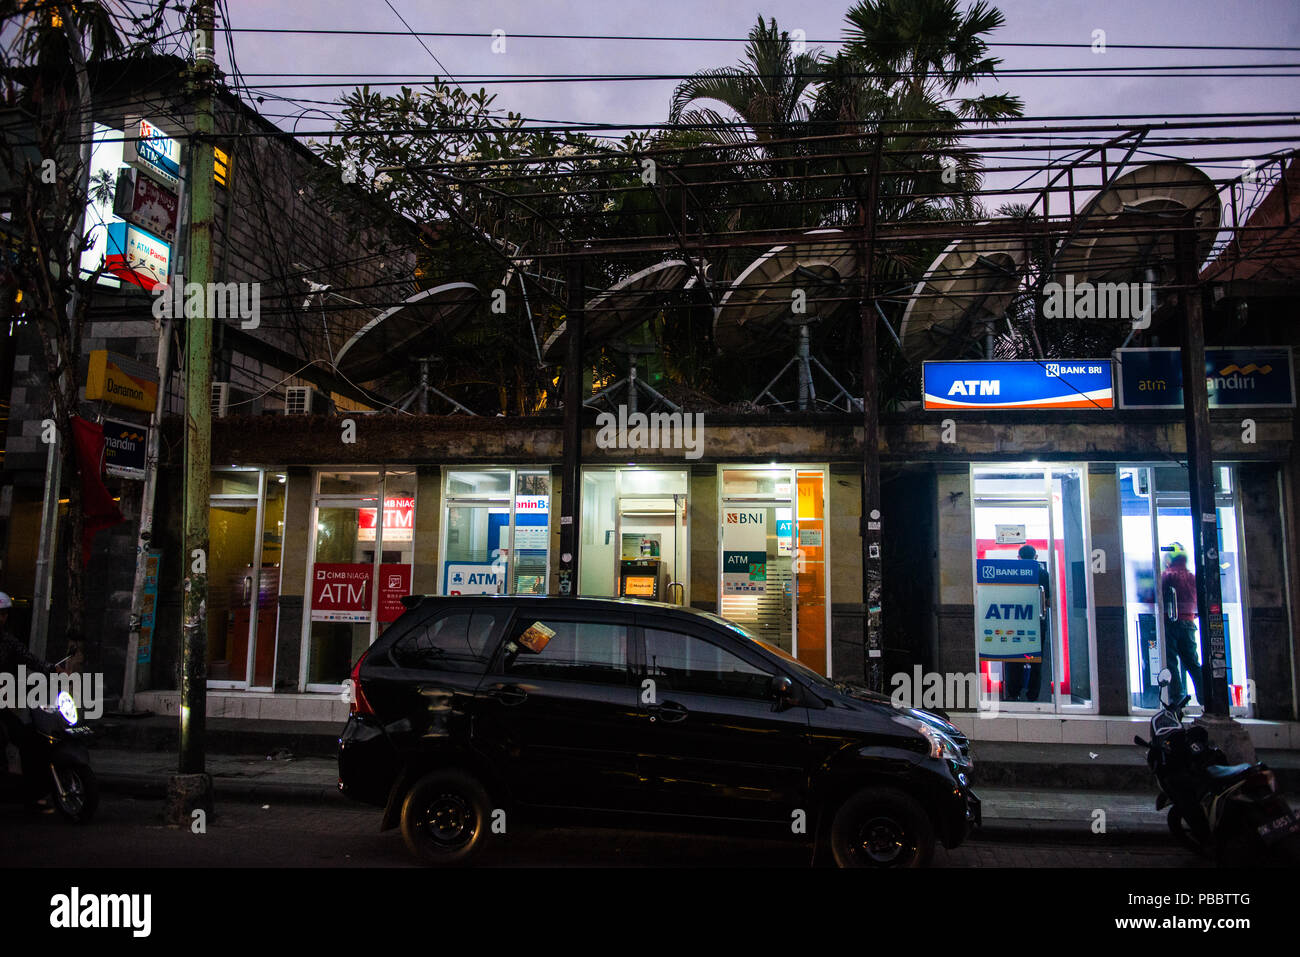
(1009, 813)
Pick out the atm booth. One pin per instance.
(640, 567)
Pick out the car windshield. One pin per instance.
(794, 663)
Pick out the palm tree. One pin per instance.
(768, 94)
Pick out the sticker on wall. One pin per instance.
(744, 551)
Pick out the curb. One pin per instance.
(151, 786)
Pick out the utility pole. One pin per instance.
(191, 788)
(1213, 689)
(573, 377)
(872, 561)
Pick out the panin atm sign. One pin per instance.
(1019, 384)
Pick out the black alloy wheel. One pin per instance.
(445, 817)
(882, 827)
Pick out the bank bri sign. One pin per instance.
(1018, 384)
(1236, 377)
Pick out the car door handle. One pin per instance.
(509, 695)
(669, 711)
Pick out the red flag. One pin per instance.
(97, 502)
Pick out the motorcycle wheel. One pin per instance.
(78, 797)
(1179, 829)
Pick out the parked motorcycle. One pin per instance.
(44, 756)
(1231, 812)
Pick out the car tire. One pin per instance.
(445, 817)
(882, 827)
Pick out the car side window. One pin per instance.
(459, 641)
(572, 650)
(680, 662)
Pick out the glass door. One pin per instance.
(496, 537)
(245, 529)
(1033, 590)
(1161, 620)
(773, 564)
(635, 534)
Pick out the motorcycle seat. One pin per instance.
(1224, 772)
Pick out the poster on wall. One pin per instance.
(394, 585)
(149, 606)
(744, 551)
(399, 520)
(340, 591)
(1008, 606)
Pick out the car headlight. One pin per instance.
(941, 746)
(67, 707)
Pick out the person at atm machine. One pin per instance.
(1024, 682)
(1178, 586)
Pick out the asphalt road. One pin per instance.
(129, 832)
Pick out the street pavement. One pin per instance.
(273, 832)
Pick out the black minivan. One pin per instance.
(636, 714)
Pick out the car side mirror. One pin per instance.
(783, 692)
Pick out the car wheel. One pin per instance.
(882, 827)
(445, 816)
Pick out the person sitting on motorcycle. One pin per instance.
(13, 653)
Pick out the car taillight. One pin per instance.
(359, 704)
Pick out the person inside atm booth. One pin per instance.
(1024, 682)
(1178, 587)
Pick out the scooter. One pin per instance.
(1231, 812)
(44, 756)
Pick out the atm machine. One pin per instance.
(640, 569)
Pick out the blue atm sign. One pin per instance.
(1019, 384)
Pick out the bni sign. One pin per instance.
(1018, 384)
(149, 149)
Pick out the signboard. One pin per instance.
(784, 534)
(1018, 384)
(399, 521)
(474, 578)
(1008, 609)
(125, 446)
(148, 606)
(220, 167)
(144, 203)
(533, 504)
(810, 538)
(139, 257)
(149, 149)
(122, 381)
(639, 586)
(394, 585)
(744, 551)
(1009, 534)
(1236, 377)
(340, 591)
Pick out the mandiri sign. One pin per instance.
(1236, 377)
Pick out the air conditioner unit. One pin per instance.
(298, 400)
(220, 399)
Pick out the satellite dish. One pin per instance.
(750, 318)
(1128, 227)
(964, 291)
(624, 306)
(411, 330)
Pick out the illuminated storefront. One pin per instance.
(496, 532)
(635, 534)
(360, 567)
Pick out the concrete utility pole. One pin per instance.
(573, 377)
(191, 788)
(1205, 529)
(872, 561)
